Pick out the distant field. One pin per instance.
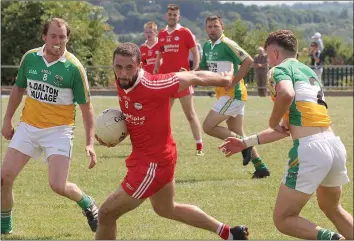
(221, 187)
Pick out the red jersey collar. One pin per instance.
(140, 75)
(150, 47)
(178, 27)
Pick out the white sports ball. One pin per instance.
(110, 126)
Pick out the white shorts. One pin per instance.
(316, 160)
(225, 105)
(32, 141)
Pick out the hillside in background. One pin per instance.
(127, 17)
(96, 28)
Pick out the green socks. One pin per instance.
(258, 164)
(6, 222)
(6, 216)
(325, 234)
(85, 201)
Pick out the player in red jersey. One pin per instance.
(175, 43)
(144, 100)
(150, 48)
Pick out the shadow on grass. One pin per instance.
(120, 144)
(112, 156)
(202, 180)
(22, 237)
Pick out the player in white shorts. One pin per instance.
(317, 160)
(55, 82)
(228, 106)
(222, 54)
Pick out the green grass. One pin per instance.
(221, 187)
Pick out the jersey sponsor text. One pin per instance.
(43, 91)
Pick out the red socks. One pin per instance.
(223, 231)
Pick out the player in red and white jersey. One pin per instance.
(150, 48)
(144, 100)
(175, 43)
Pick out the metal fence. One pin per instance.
(334, 76)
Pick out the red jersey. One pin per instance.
(148, 56)
(146, 107)
(174, 48)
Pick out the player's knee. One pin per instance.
(163, 211)
(328, 209)
(102, 214)
(280, 219)
(6, 180)
(106, 216)
(279, 223)
(58, 188)
(207, 128)
(191, 116)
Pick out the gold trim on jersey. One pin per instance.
(81, 69)
(236, 49)
(28, 52)
(313, 114)
(44, 115)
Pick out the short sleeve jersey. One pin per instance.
(146, 107)
(308, 107)
(53, 89)
(225, 55)
(174, 48)
(148, 56)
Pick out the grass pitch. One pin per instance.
(221, 187)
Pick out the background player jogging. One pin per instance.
(175, 42)
(223, 54)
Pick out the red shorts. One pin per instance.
(185, 92)
(147, 178)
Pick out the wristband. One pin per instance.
(251, 140)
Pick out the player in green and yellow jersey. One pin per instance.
(55, 81)
(221, 54)
(317, 160)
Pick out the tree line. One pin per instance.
(330, 18)
(95, 33)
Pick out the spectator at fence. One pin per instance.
(316, 63)
(317, 38)
(260, 66)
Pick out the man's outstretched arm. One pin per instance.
(234, 145)
(203, 78)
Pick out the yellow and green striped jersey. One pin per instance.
(309, 107)
(53, 89)
(225, 55)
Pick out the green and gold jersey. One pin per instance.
(53, 89)
(225, 55)
(309, 107)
